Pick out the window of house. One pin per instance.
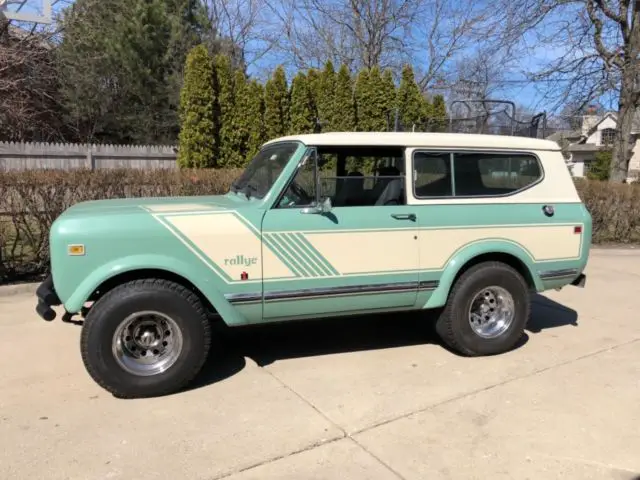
(353, 176)
(608, 136)
(473, 174)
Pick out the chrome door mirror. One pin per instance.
(322, 208)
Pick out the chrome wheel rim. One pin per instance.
(147, 343)
(492, 311)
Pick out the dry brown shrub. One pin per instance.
(614, 208)
(31, 200)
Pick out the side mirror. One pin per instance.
(322, 208)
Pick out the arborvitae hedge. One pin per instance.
(276, 114)
(245, 113)
(197, 99)
(439, 114)
(412, 106)
(227, 154)
(343, 114)
(301, 117)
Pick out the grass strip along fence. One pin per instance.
(31, 200)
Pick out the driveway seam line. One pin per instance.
(313, 446)
(378, 459)
(491, 387)
(316, 409)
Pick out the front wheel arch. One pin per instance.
(149, 273)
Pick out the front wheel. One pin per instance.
(145, 338)
(486, 311)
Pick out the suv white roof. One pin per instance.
(421, 139)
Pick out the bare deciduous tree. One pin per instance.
(240, 26)
(597, 52)
(27, 86)
(388, 33)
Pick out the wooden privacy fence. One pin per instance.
(66, 156)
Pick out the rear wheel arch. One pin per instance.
(508, 254)
(507, 258)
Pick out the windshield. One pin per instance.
(264, 169)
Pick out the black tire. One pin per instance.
(165, 297)
(453, 325)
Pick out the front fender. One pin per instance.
(81, 293)
(470, 251)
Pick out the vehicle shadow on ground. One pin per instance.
(266, 344)
(547, 313)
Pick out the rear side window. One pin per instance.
(474, 174)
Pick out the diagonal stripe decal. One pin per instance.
(308, 260)
(315, 254)
(283, 255)
(297, 258)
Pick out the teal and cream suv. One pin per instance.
(317, 226)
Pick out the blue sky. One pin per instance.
(514, 87)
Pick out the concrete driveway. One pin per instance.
(367, 398)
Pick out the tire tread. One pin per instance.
(445, 323)
(157, 284)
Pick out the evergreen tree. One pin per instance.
(411, 104)
(439, 114)
(237, 128)
(600, 167)
(328, 110)
(118, 66)
(344, 105)
(362, 99)
(372, 101)
(196, 138)
(276, 115)
(314, 80)
(389, 99)
(255, 117)
(225, 107)
(427, 115)
(301, 119)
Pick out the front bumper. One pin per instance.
(47, 298)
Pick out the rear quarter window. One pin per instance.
(473, 174)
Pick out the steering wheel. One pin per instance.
(304, 198)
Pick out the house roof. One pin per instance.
(584, 147)
(563, 134)
(635, 123)
(421, 139)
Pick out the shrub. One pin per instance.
(30, 201)
(600, 167)
(614, 208)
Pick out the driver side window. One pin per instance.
(301, 192)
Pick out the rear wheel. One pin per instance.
(145, 338)
(486, 311)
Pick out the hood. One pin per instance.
(122, 206)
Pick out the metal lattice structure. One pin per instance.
(486, 119)
(479, 117)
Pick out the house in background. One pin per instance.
(596, 133)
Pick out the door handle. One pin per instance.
(404, 216)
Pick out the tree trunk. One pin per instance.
(629, 100)
(622, 146)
